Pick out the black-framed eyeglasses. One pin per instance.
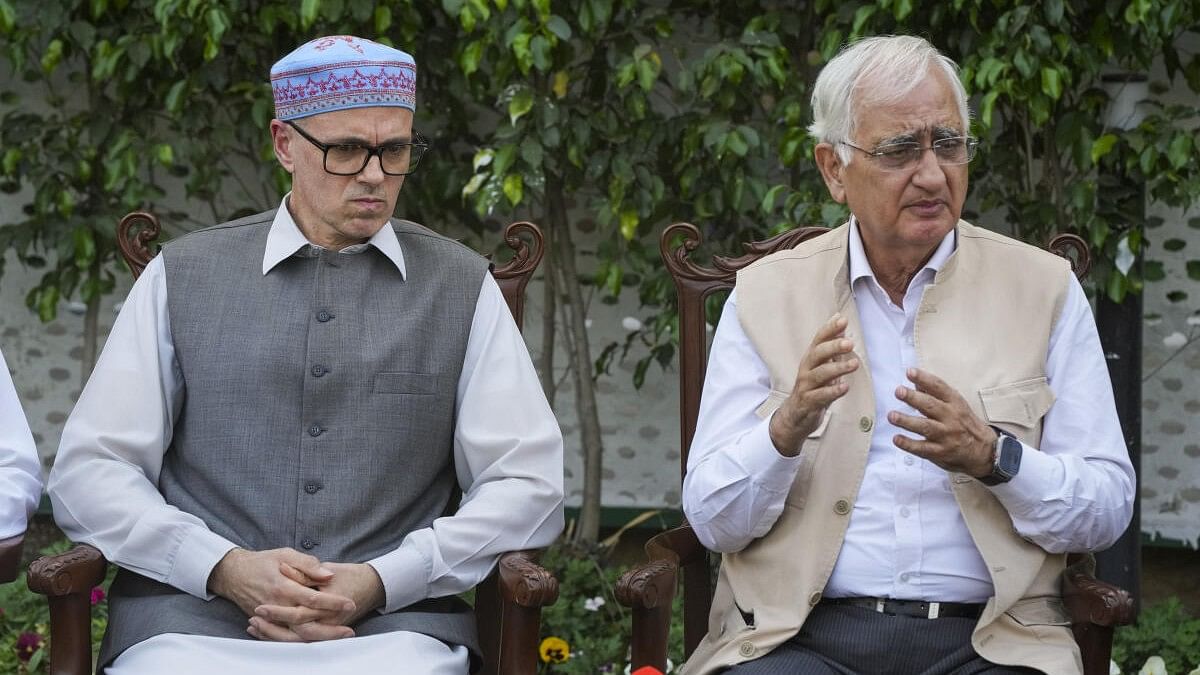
(951, 151)
(348, 159)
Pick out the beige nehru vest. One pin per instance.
(984, 326)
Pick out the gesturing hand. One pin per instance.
(251, 579)
(359, 582)
(955, 438)
(818, 383)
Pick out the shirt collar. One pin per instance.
(285, 240)
(860, 268)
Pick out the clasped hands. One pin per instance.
(954, 438)
(293, 597)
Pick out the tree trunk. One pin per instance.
(588, 531)
(91, 340)
(545, 361)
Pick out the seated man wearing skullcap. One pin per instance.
(301, 393)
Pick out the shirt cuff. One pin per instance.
(1039, 480)
(404, 573)
(194, 560)
(770, 470)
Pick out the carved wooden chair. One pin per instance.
(1095, 607)
(508, 604)
(10, 557)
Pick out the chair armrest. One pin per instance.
(67, 579)
(524, 582)
(10, 557)
(649, 591)
(1091, 601)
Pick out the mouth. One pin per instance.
(927, 206)
(369, 202)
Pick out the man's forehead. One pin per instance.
(371, 119)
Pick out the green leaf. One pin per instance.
(1118, 286)
(482, 159)
(9, 164)
(531, 152)
(504, 159)
(85, 247)
(53, 56)
(165, 153)
(1051, 83)
(629, 222)
(514, 188)
(1180, 150)
(175, 96)
(308, 12)
(861, 16)
(383, 18)
(768, 200)
(559, 26)
(471, 55)
(520, 104)
(8, 17)
(901, 9)
(473, 185)
(1102, 146)
(1054, 11)
(539, 47)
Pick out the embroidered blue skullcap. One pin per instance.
(339, 72)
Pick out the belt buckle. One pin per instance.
(934, 609)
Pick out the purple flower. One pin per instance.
(97, 595)
(27, 644)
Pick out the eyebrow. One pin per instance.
(935, 133)
(351, 140)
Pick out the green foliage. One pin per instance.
(588, 617)
(25, 622)
(1165, 630)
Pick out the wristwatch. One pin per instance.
(1007, 459)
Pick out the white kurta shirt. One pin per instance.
(907, 538)
(507, 456)
(20, 471)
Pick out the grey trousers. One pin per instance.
(841, 640)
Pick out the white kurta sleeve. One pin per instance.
(103, 485)
(20, 471)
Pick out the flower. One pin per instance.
(554, 650)
(593, 604)
(97, 595)
(28, 643)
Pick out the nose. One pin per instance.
(372, 173)
(928, 170)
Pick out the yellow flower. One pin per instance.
(554, 650)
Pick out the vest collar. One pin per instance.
(285, 239)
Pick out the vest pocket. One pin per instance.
(1022, 403)
(420, 384)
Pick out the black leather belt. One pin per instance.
(917, 608)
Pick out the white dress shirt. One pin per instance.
(507, 456)
(20, 471)
(907, 538)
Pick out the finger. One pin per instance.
(317, 632)
(290, 616)
(324, 600)
(922, 426)
(265, 630)
(832, 328)
(297, 576)
(831, 371)
(830, 350)
(308, 565)
(923, 449)
(931, 384)
(924, 403)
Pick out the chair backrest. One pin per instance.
(137, 237)
(694, 283)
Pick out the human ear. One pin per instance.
(831, 168)
(281, 140)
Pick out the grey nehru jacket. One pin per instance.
(319, 412)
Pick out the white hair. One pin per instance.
(893, 65)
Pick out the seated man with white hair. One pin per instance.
(906, 422)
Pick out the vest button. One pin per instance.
(841, 507)
(312, 487)
(324, 316)
(319, 370)
(315, 430)
(814, 598)
(308, 544)
(746, 649)
(865, 423)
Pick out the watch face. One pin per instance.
(1008, 461)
